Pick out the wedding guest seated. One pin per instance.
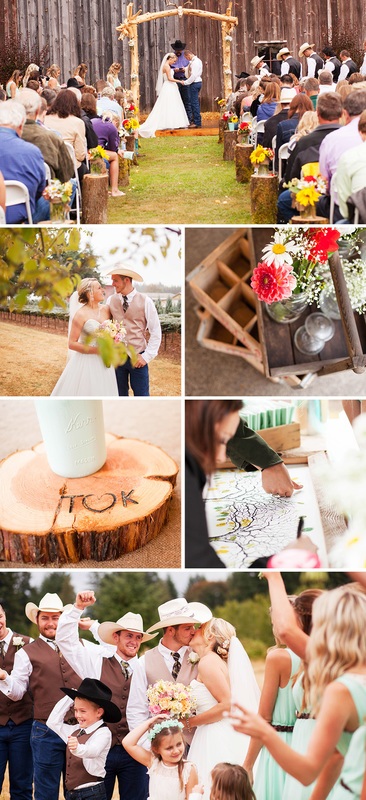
(329, 112)
(287, 127)
(49, 95)
(91, 137)
(356, 77)
(64, 116)
(258, 95)
(337, 143)
(107, 102)
(35, 85)
(99, 86)
(326, 82)
(351, 169)
(268, 105)
(2, 199)
(51, 145)
(250, 82)
(270, 126)
(311, 89)
(287, 81)
(107, 136)
(21, 161)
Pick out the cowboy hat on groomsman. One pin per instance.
(289, 64)
(314, 62)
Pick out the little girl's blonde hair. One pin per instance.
(230, 782)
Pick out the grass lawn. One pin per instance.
(182, 180)
(32, 361)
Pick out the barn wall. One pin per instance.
(84, 30)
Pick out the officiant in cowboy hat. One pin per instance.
(289, 64)
(180, 73)
(258, 63)
(169, 660)
(113, 662)
(138, 314)
(43, 668)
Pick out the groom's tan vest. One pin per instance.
(134, 319)
(156, 670)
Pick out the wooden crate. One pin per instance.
(214, 336)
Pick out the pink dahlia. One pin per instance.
(272, 282)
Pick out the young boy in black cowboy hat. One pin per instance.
(89, 741)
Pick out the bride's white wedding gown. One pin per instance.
(168, 112)
(85, 375)
(214, 742)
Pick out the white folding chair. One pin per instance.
(78, 188)
(274, 142)
(283, 154)
(252, 133)
(246, 117)
(47, 173)
(259, 128)
(16, 193)
(332, 193)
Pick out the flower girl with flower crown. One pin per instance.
(171, 777)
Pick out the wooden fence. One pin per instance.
(77, 31)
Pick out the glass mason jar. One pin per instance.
(287, 310)
(57, 211)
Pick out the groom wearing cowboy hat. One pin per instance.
(138, 314)
(180, 68)
(41, 666)
(113, 662)
(169, 660)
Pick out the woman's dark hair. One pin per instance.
(32, 84)
(16, 75)
(299, 105)
(65, 105)
(201, 418)
(303, 607)
(89, 103)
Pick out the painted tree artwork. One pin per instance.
(246, 523)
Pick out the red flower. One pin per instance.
(324, 242)
(225, 115)
(310, 179)
(272, 283)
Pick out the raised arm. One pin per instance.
(130, 742)
(284, 617)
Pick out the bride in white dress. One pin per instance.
(224, 673)
(168, 112)
(85, 374)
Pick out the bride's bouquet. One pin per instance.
(110, 340)
(174, 699)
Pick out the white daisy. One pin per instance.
(280, 252)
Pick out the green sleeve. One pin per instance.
(247, 447)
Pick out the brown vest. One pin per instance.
(18, 710)
(134, 319)
(76, 774)
(50, 671)
(156, 669)
(113, 677)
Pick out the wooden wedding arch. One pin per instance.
(128, 28)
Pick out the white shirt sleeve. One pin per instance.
(93, 748)
(109, 650)
(86, 661)
(343, 71)
(137, 710)
(329, 66)
(56, 719)
(285, 68)
(154, 328)
(311, 67)
(196, 71)
(16, 684)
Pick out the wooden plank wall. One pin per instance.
(85, 31)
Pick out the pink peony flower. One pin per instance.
(272, 282)
(155, 709)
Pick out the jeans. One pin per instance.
(42, 210)
(195, 103)
(138, 377)
(48, 761)
(96, 792)
(185, 94)
(284, 207)
(133, 782)
(15, 748)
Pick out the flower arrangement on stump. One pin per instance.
(261, 158)
(293, 270)
(58, 194)
(230, 120)
(97, 157)
(244, 130)
(305, 192)
(221, 102)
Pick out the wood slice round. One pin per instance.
(46, 518)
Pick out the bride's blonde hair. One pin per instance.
(338, 638)
(222, 632)
(85, 290)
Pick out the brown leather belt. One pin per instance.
(302, 716)
(282, 728)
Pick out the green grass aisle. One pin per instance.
(182, 179)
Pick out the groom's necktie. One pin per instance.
(2, 649)
(125, 670)
(176, 665)
(125, 303)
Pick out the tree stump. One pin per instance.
(221, 130)
(131, 146)
(263, 196)
(230, 138)
(45, 518)
(123, 171)
(315, 220)
(243, 165)
(95, 199)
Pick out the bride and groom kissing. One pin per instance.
(178, 86)
(85, 374)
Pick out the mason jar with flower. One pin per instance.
(305, 192)
(244, 130)
(58, 194)
(261, 158)
(291, 274)
(97, 157)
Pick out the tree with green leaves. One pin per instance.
(15, 593)
(158, 306)
(169, 305)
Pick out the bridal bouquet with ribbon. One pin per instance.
(174, 699)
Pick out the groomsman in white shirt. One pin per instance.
(113, 662)
(194, 81)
